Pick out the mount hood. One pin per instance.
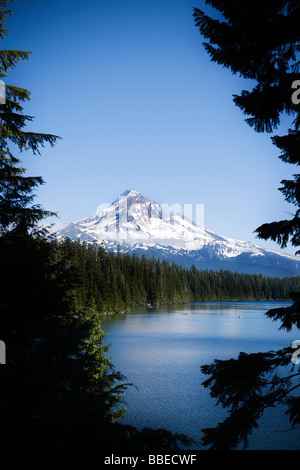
(133, 223)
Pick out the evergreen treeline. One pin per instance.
(115, 282)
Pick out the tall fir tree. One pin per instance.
(16, 190)
(260, 41)
(56, 390)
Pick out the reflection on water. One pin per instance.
(161, 351)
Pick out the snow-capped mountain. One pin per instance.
(136, 224)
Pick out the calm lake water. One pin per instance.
(161, 351)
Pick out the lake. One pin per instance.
(161, 350)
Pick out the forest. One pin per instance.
(115, 282)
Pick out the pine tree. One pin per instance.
(25, 256)
(259, 40)
(58, 388)
(16, 188)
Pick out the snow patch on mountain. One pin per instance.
(134, 223)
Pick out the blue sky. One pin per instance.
(139, 105)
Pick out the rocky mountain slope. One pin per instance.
(136, 224)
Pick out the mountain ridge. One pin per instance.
(134, 223)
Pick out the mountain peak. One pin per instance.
(130, 196)
(136, 224)
(131, 192)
